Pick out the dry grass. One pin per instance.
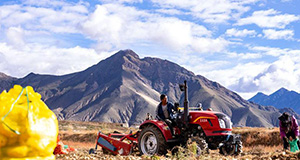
(262, 148)
(259, 136)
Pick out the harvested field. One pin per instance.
(259, 143)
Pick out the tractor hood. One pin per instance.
(210, 119)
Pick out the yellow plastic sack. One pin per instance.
(28, 128)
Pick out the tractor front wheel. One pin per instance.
(151, 141)
(231, 149)
(201, 145)
(239, 147)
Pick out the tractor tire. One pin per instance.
(202, 146)
(233, 149)
(239, 148)
(151, 141)
(227, 149)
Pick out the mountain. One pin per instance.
(6, 81)
(124, 87)
(282, 98)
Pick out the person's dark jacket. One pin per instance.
(294, 127)
(160, 112)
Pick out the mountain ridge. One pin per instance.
(282, 98)
(123, 88)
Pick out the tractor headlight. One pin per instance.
(222, 123)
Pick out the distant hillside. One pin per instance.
(282, 98)
(123, 88)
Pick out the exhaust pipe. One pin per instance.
(183, 87)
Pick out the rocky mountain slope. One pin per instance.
(124, 87)
(280, 99)
(6, 81)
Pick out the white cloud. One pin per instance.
(46, 59)
(115, 26)
(275, 34)
(234, 76)
(268, 19)
(80, 8)
(45, 3)
(249, 78)
(62, 20)
(103, 27)
(244, 55)
(276, 52)
(240, 33)
(121, 1)
(207, 45)
(172, 32)
(284, 72)
(13, 16)
(7, 10)
(212, 11)
(170, 11)
(15, 36)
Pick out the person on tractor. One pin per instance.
(164, 111)
(289, 131)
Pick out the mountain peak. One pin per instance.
(261, 94)
(258, 97)
(282, 89)
(3, 75)
(280, 92)
(117, 60)
(127, 52)
(31, 74)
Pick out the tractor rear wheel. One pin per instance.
(151, 141)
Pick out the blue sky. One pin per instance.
(248, 46)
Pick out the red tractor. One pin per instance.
(209, 129)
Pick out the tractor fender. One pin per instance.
(161, 125)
